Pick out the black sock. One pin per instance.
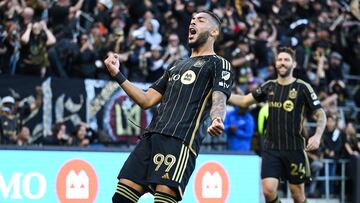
(161, 197)
(125, 194)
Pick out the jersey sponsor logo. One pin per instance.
(199, 63)
(174, 77)
(211, 183)
(317, 102)
(292, 94)
(288, 105)
(225, 75)
(188, 77)
(274, 104)
(223, 84)
(76, 182)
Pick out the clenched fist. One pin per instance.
(112, 64)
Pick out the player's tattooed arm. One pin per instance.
(217, 113)
(314, 141)
(218, 108)
(320, 117)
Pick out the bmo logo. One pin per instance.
(23, 186)
(211, 183)
(76, 182)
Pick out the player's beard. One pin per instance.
(201, 40)
(287, 72)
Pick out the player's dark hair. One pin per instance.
(216, 18)
(288, 50)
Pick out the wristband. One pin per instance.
(120, 78)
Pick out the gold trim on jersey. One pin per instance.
(198, 121)
(307, 165)
(182, 171)
(179, 161)
(311, 90)
(302, 122)
(181, 164)
(274, 81)
(180, 191)
(258, 89)
(225, 64)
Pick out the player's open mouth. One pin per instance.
(192, 32)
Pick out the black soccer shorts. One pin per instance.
(292, 166)
(160, 159)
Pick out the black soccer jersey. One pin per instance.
(287, 106)
(186, 89)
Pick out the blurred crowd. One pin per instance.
(15, 111)
(70, 38)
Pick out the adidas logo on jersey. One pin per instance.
(165, 176)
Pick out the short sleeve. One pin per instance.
(161, 83)
(223, 77)
(311, 99)
(259, 93)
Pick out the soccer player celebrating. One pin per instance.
(192, 95)
(283, 156)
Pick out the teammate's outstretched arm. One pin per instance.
(144, 99)
(314, 141)
(242, 100)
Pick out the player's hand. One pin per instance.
(313, 143)
(217, 127)
(112, 64)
